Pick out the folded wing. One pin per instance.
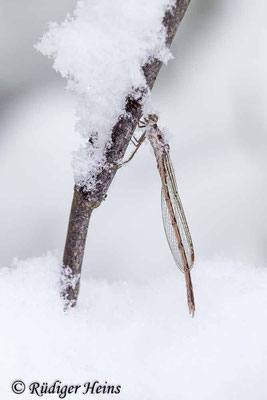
(170, 192)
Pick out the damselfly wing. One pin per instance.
(175, 224)
(179, 216)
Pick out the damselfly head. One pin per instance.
(153, 118)
(150, 119)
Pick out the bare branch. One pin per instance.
(84, 201)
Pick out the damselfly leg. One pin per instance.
(134, 141)
(137, 142)
(137, 145)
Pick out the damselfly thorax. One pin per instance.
(174, 220)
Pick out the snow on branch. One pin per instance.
(100, 50)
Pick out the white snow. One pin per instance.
(138, 335)
(100, 50)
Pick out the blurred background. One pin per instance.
(212, 100)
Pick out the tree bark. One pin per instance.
(84, 201)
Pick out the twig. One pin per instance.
(83, 201)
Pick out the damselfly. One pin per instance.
(174, 221)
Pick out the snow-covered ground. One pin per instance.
(138, 334)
